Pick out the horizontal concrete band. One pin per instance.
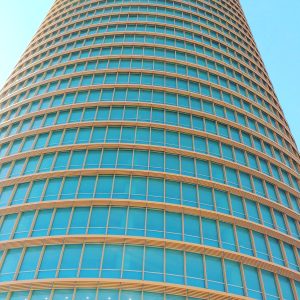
(147, 13)
(154, 174)
(153, 242)
(167, 150)
(225, 104)
(136, 22)
(150, 205)
(225, 162)
(55, 30)
(292, 155)
(280, 120)
(150, 33)
(157, 58)
(135, 285)
(241, 35)
(149, 124)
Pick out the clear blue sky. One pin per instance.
(274, 23)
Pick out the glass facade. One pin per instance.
(144, 156)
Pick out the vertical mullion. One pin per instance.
(80, 260)
(51, 221)
(20, 263)
(70, 220)
(60, 260)
(89, 218)
(16, 224)
(36, 213)
(39, 262)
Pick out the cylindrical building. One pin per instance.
(144, 156)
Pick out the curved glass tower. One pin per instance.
(144, 156)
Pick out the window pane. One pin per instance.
(234, 278)
(70, 261)
(270, 285)
(155, 223)
(49, 262)
(252, 282)
(209, 230)
(29, 264)
(214, 272)
(10, 264)
(194, 270)
(79, 220)
(133, 262)
(61, 221)
(117, 220)
(227, 236)
(42, 223)
(98, 220)
(24, 225)
(90, 265)
(206, 198)
(154, 264)
(174, 266)
(7, 226)
(244, 240)
(191, 229)
(136, 222)
(112, 261)
(173, 226)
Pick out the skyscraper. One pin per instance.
(144, 156)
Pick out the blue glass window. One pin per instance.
(234, 278)
(48, 267)
(90, 265)
(191, 229)
(52, 189)
(98, 220)
(222, 202)
(121, 187)
(87, 186)
(70, 261)
(138, 188)
(189, 195)
(260, 245)
(244, 240)
(136, 222)
(36, 191)
(252, 282)
(69, 188)
(155, 190)
(227, 236)
(173, 226)
(252, 211)
(286, 288)
(79, 220)
(29, 263)
(42, 223)
(117, 220)
(269, 285)
(10, 264)
(112, 261)
(206, 198)
(154, 264)
(276, 251)
(237, 206)
(174, 267)
(194, 270)
(24, 225)
(61, 221)
(133, 262)
(7, 226)
(214, 273)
